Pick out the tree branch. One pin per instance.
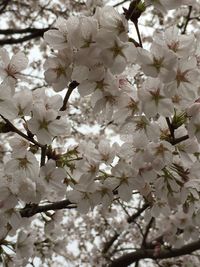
(130, 219)
(121, 3)
(72, 86)
(3, 5)
(109, 243)
(31, 209)
(12, 128)
(34, 34)
(149, 225)
(43, 155)
(140, 254)
(137, 214)
(26, 30)
(179, 139)
(187, 20)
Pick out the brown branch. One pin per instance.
(121, 3)
(171, 128)
(149, 225)
(179, 139)
(26, 30)
(43, 155)
(71, 87)
(31, 209)
(33, 35)
(130, 219)
(109, 243)
(187, 20)
(12, 128)
(140, 254)
(138, 33)
(154, 242)
(138, 213)
(3, 5)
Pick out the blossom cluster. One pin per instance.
(156, 118)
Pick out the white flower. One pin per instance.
(83, 195)
(24, 102)
(52, 177)
(7, 106)
(45, 124)
(194, 110)
(180, 44)
(181, 219)
(164, 5)
(10, 69)
(40, 97)
(110, 20)
(58, 70)
(92, 4)
(98, 81)
(18, 145)
(124, 177)
(24, 245)
(160, 62)
(104, 193)
(140, 124)
(15, 220)
(160, 207)
(186, 81)
(88, 150)
(154, 100)
(60, 39)
(107, 153)
(80, 73)
(194, 128)
(24, 163)
(160, 154)
(8, 200)
(115, 54)
(88, 56)
(84, 35)
(87, 169)
(26, 189)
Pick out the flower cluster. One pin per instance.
(153, 117)
(150, 97)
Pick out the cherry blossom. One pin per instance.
(104, 156)
(25, 163)
(154, 100)
(10, 69)
(58, 71)
(45, 124)
(160, 62)
(163, 6)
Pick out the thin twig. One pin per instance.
(187, 20)
(138, 33)
(43, 155)
(180, 139)
(129, 258)
(31, 209)
(121, 3)
(14, 129)
(137, 214)
(171, 129)
(71, 87)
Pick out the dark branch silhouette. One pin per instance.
(34, 33)
(26, 30)
(3, 5)
(31, 209)
(140, 254)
